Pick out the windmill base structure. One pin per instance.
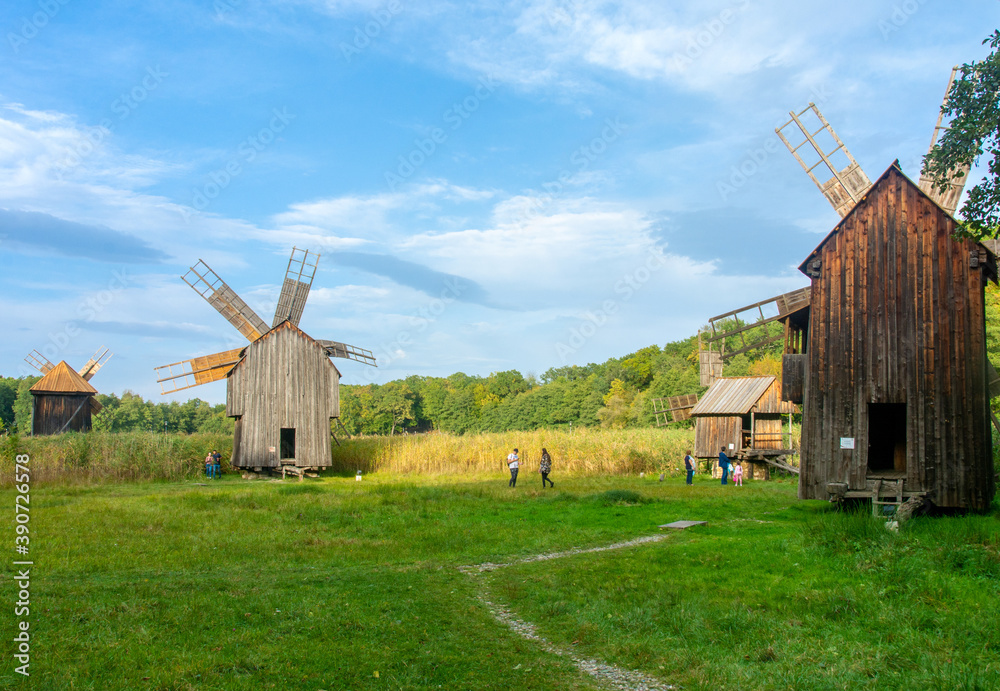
(282, 388)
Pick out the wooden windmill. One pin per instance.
(63, 399)
(888, 358)
(282, 388)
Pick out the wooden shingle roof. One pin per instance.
(732, 396)
(62, 379)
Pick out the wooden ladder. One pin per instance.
(896, 500)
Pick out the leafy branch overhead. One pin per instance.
(974, 104)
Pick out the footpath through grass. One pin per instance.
(333, 584)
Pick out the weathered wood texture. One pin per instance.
(54, 413)
(793, 378)
(759, 427)
(897, 317)
(285, 380)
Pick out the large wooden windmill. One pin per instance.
(282, 388)
(63, 399)
(888, 356)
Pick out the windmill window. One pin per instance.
(287, 442)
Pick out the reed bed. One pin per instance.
(112, 457)
(583, 451)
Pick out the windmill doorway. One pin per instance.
(287, 443)
(887, 440)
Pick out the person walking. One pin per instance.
(512, 463)
(217, 463)
(545, 467)
(689, 467)
(738, 475)
(725, 464)
(210, 466)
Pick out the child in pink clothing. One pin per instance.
(738, 475)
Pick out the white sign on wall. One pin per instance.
(847, 442)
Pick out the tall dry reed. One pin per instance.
(583, 451)
(108, 457)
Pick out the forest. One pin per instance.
(617, 393)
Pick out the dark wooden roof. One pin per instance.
(881, 180)
(62, 379)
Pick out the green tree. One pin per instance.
(23, 405)
(974, 101)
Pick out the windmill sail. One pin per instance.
(95, 363)
(295, 290)
(225, 300)
(949, 197)
(196, 371)
(348, 352)
(754, 316)
(39, 362)
(843, 186)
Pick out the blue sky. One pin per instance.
(492, 186)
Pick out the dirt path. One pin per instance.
(610, 675)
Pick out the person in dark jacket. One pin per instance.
(689, 467)
(725, 464)
(545, 467)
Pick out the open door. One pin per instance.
(287, 443)
(887, 440)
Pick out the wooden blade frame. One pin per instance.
(295, 290)
(207, 283)
(39, 362)
(196, 371)
(783, 304)
(348, 352)
(948, 198)
(845, 187)
(679, 408)
(95, 363)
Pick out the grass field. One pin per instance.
(334, 584)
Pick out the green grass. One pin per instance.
(321, 584)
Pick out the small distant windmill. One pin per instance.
(282, 388)
(63, 399)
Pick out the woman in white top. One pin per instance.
(512, 464)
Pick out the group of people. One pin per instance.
(724, 462)
(213, 465)
(544, 467)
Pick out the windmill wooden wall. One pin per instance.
(285, 380)
(897, 333)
